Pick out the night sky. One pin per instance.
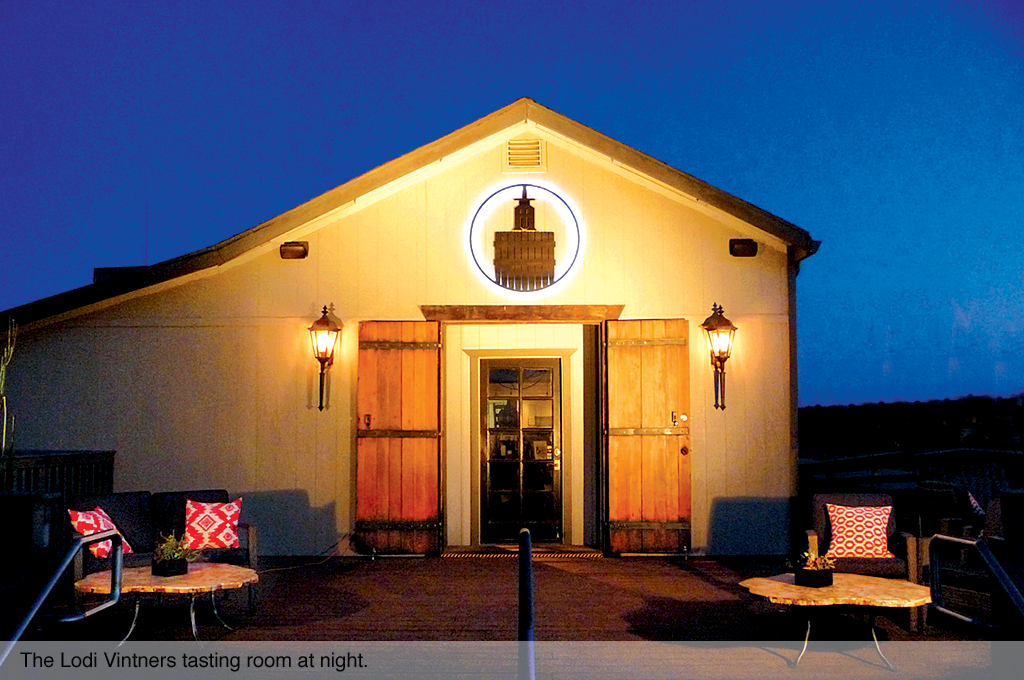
(134, 132)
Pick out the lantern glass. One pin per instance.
(323, 335)
(720, 332)
(323, 344)
(721, 342)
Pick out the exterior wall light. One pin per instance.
(720, 332)
(294, 250)
(324, 336)
(743, 247)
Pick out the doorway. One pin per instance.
(521, 449)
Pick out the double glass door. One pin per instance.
(521, 440)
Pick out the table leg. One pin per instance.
(806, 638)
(135, 618)
(213, 603)
(192, 616)
(878, 649)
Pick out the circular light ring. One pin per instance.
(573, 231)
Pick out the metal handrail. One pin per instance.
(991, 562)
(77, 543)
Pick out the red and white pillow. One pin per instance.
(90, 522)
(211, 525)
(859, 532)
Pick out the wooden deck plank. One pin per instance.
(655, 618)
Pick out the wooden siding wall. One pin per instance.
(211, 382)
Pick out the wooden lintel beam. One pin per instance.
(521, 313)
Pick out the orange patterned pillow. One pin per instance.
(859, 532)
(211, 525)
(91, 522)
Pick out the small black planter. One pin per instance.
(814, 578)
(170, 567)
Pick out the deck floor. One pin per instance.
(685, 608)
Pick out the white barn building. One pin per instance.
(558, 380)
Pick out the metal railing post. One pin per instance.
(995, 568)
(76, 545)
(527, 669)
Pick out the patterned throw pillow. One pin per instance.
(91, 522)
(859, 532)
(211, 525)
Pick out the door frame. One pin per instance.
(465, 343)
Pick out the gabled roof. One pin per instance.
(107, 290)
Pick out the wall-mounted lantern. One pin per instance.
(720, 332)
(324, 336)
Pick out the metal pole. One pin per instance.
(527, 666)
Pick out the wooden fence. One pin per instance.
(985, 473)
(35, 487)
(68, 473)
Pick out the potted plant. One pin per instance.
(171, 557)
(816, 572)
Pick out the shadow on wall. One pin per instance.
(288, 524)
(750, 526)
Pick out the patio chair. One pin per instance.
(902, 545)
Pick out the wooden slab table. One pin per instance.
(846, 589)
(202, 577)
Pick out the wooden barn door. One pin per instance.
(398, 432)
(648, 436)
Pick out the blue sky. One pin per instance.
(133, 132)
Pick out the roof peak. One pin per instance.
(521, 109)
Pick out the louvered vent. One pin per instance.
(524, 155)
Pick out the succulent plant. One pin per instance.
(173, 548)
(819, 562)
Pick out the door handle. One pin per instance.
(366, 419)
